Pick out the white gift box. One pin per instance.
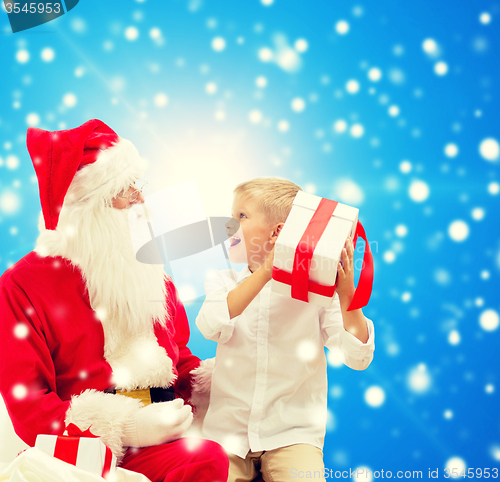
(327, 252)
(85, 453)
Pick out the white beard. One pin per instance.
(128, 297)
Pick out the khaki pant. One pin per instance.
(295, 462)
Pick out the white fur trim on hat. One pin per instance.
(114, 170)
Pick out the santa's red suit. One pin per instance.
(64, 347)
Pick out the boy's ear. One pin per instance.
(275, 232)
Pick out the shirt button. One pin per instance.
(261, 370)
(258, 400)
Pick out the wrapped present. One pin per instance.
(309, 249)
(82, 449)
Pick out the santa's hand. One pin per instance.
(157, 424)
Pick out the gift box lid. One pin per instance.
(346, 217)
(310, 201)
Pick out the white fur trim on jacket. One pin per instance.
(105, 414)
(200, 393)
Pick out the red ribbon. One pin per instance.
(75, 431)
(299, 278)
(66, 448)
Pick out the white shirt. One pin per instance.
(269, 385)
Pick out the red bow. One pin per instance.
(75, 431)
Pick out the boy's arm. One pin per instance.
(241, 296)
(222, 306)
(358, 355)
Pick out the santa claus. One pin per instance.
(89, 335)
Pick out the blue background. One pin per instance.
(150, 70)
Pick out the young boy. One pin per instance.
(268, 401)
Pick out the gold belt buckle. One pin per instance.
(141, 394)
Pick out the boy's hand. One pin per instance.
(345, 273)
(268, 264)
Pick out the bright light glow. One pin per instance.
(349, 192)
(155, 33)
(79, 71)
(283, 126)
(448, 414)
(12, 162)
(495, 452)
(267, 3)
(340, 126)
(335, 357)
(218, 44)
(489, 388)
(310, 188)
(288, 59)
(478, 214)
(352, 86)
(22, 56)
(21, 330)
(454, 337)
(48, 54)
(9, 202)
(33, 119)
(455, 465)
(401, 230)
(393, 110)
(131, 33)
(160, 99)
(266, 54)
(307, 350)
(365, 474)
(494, 188)
(419, 379)
(489, 149)
(458, 230)
(301, 45)
(397, 76)
(389, 257)
(255, 116)
(485, 18)
(374, 396)
(298, 104)
(70, 100)
(418, 191)
(211, 88)
(441, 68)
(405, 297)
(19, 391)
(261, 82)
(187, 292)
(357, 130)
(342, 27)
(219, 115)
(374, 74)
(405, 167)
(430, 47)
(489, 320)
(451, 150)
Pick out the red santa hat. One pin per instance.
(58, 156)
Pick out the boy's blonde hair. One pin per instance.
(273, 195)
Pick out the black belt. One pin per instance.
(148, 395)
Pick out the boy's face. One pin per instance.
(251, 243)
